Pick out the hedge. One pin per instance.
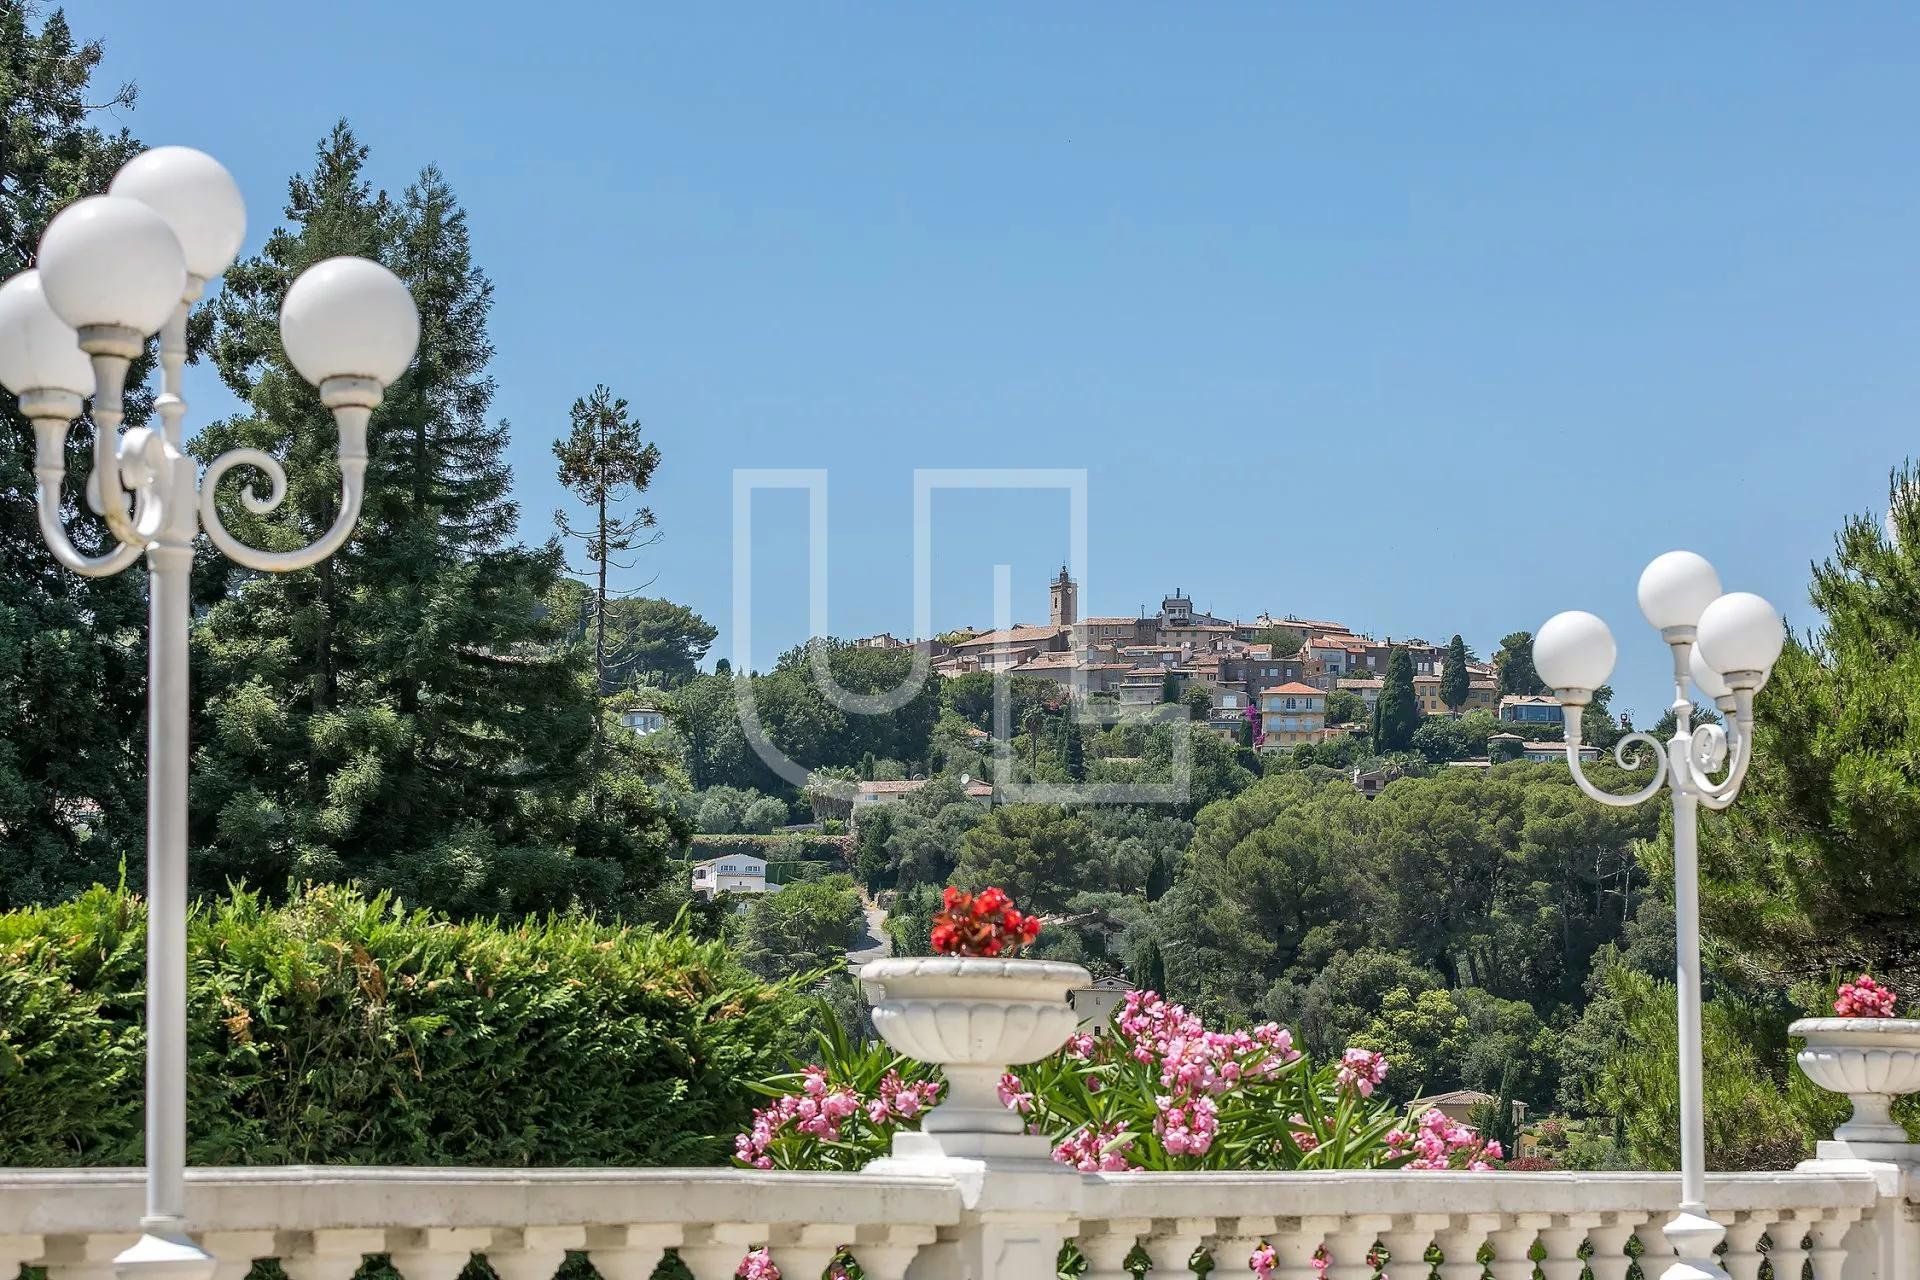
(340, 1028)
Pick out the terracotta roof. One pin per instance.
(1530, 700)
(1351, 683)
(1292, 686)
(1012, 635)
(898, 788)
(1456, 1098)
(1048, 661)
(1111, 622)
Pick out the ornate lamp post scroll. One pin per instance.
(1725, 645)
(113, 270)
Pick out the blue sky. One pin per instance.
(1427, 320)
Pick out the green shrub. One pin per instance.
(345, 1029)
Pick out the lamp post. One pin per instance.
(114, 270)
(1725, 645)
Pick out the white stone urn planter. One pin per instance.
(973, 1017)
(1871, 1060)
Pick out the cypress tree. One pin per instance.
(1396, 715)
(72, 649)
(407, 712)
(1454, 684)
(1073, 752)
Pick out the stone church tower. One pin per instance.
(1064, 601)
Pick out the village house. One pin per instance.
(731, 873)
(1531, 708)
(1292, 714)
(644, 719)
(1482, 695)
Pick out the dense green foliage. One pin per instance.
(339, 1028)
(72, 649)
(1818, 866)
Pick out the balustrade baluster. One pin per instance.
(436, 1253)
(803, 1251)
(1743, 1257)
(235, 1252)
(1106, 1246)
(331, 1254)
(715, 1252)
(1295, 1241)
(1233, 1242)
(1172, 1242)
(1513, 1242)
(630, 1252)
(1350, 1245)
(1829, 1233)
(1562, 1240)
(885, 1252)
(532, 1253)
(1460, 1244)
(1788, 1253)
(1407, 1241)
(18, 1251)
(1609, 1240)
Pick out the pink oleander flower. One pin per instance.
(1440, 1143)
(1094, 1150)
(758, 1265)
(1080, 1046)
(1262, 1262)
(1362, 1069)
(1013, 1094)
(1864, 998)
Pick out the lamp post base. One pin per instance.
(1694, 1237)
(164, 1251)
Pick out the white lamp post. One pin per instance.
(1726, 645)
(113, 270)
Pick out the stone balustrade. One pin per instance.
(1849, 1219)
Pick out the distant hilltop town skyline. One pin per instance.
(1285, 668)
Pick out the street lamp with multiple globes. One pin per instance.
(1726, 646)
(112, 271)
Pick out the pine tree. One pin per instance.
(1514, 661)
(1454, 684)
(603, 459)
(408, 712)
(72, 649)
(1817, 868)
(1396, 714)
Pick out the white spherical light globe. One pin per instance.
(111, 260)
(196, 196)
(349, 318)
(1740, 632)
(1676, 588)
(38, 350)
(1705, 677)
(1573, 650)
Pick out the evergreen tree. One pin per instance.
(1514, 661)
(1169, 687)
(1073, 752)
(408, 712)
(1817, 868)
(1454, 684)
(1396, 714)
(72, 649)
(602, 460)
(1151, 973)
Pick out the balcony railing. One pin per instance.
(1850, 1220)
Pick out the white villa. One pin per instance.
(732, 873)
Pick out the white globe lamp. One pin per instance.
(349, 318)
(112, 261)
(1740, 637)
(196, 197)
(1676, 589)
(38, 350)
(1573, 652)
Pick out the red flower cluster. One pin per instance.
(1864, 998)
(982, 924)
